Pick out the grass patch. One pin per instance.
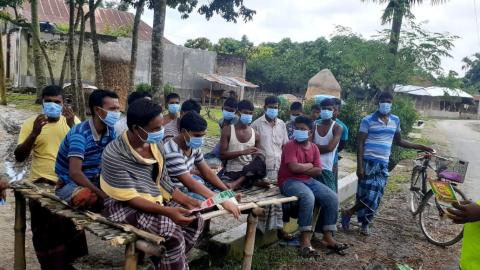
(23, 101)
(212, 118)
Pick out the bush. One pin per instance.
(144, 87)
(167, 89)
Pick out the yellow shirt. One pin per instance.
(470, 258)
(45, 147)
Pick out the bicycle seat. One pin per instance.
(452, 176)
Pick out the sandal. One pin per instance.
(308, 252)
(338, 249)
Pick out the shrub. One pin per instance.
(144, 87)
(167, 89)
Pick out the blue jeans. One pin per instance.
(311, 193)
(65, 193)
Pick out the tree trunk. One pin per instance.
(45, 55)
(3, 94)
(96, 49)
(133, 55)
(396, 27)
(67, 55)
(37, 54)
(71, 57)
(159, 8)
(81, 39)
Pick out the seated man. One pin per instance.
(295, 111)
(56, 241)
(121, 125)
(172, 129)
(229, 116)
(78, 160)
(134, 176)
(184, 152)
(238, 144)
(173, 105)
(326, 137)
(300, 163)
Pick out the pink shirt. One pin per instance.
(294, 152)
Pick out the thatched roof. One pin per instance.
(323, 83)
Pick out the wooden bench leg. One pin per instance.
(249, 247)
(19, 228)
(131, 257)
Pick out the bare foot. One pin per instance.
(261, 183)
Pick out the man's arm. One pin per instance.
(406, 144)
(362, 137)
(341, 145)
(177, 214)
(28, 137)
(77, 175)
(330, 147)
(210, 176)
(464, 212)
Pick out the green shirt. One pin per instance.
(470, 257)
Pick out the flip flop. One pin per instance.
(308, 252)
(337, 249)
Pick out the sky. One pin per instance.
(306, 20)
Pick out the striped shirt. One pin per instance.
(84, 142)
(171, 130)
(178, 163)
(378, 145)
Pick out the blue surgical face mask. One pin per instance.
(111, 118)
(385, 108)
(326, 114)
(195, 142)
(246, 118)
(228, 115)
(52, 110)
(173, 108)
(271, 113)
(300, 135)
(293, 117)
(154, 137)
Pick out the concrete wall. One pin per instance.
(448, 115)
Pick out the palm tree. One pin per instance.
(159, 10)
(37, 53)
(133, 56)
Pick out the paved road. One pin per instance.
(463, 140)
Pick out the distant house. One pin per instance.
(181, 65)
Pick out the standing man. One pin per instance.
(56, 241)
(172, 129)
(173, 105)
(295, 111)
(378, 131)
(121, 125)
(79, 157)
(326, 137)
(343, 138)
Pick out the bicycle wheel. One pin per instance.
(416, 194)
(435, 225)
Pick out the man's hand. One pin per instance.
(179, 215)
(464, 212)
(69, 115)
(232, 208)
(192, 203)
(3, 186)
(360, 173)
(250, 151)
(40, 121)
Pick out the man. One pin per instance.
(300, 163)
(121, 125)
(229, 116)
(56, 241)
(468, 213)
(378, 131)
(315, 115)
(327, 136)
(295, 111)
(183, 153)
(172, 129)
(79, 157)
(173, 105)
(238, 145)
(343, 138)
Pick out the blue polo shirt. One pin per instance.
(378, 145)
(84, 142)
(343, 138)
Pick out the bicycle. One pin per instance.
(434, 223)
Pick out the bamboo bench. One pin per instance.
(135, 240)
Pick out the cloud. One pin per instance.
(304, 20)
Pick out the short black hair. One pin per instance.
(52, 91)
(231, 102)
(97, 96)
(171, 96)
(191, 105)
(327, 102)
(272, 100)
(296, 106)
(385, 95)
(141, 112)
(245, 105)
(337, 102)
(192, 121)
(303, 120)
(316, 107)
(137, 95)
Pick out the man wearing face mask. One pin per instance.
(121, 125)
(172, 129)
(326, 136)
(56, 241)
(378, 131)
(229, 116)
(295, 111)
(79, 157)
(173, 105)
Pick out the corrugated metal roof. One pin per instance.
(57, 12)
(227, 80)
(432, 91)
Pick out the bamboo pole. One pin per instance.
(250, 238)
(19, 228)
(149, 249)
(131, 257)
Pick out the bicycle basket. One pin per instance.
(452, 169)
